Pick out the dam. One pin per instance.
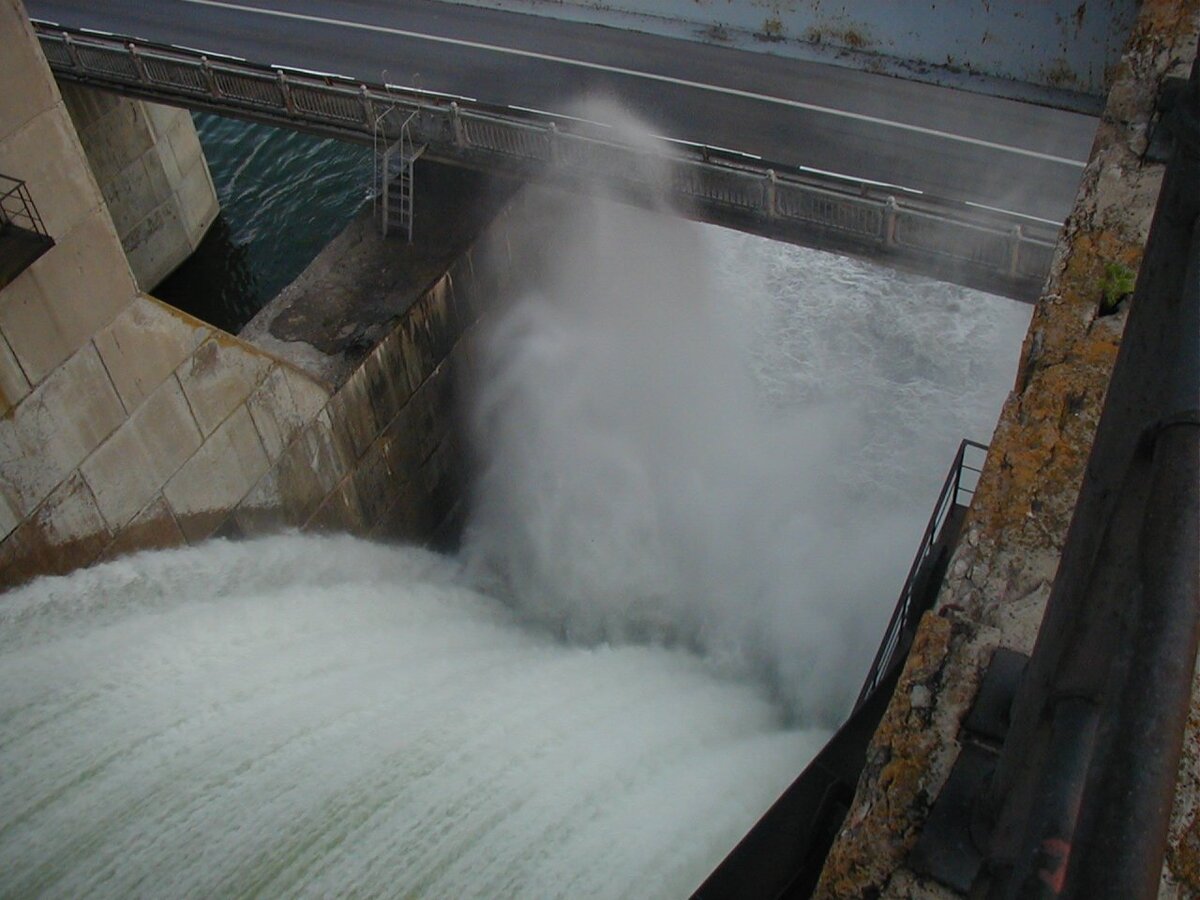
(665, 621)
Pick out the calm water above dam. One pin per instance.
(705, 461)
(284, 195)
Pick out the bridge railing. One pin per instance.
(994, 250)
(923, 580)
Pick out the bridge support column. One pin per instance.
(149, 165)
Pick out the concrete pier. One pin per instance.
(148, 163)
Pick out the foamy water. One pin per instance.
(306, 716)
(694, 436)
(705, 461)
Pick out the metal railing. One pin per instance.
(782, 855)
(17, 207)
(999, 251)
(955, 495)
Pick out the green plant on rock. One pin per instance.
(1119, 280)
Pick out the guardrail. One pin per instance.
(915, 596)
(17, 207)
(993, 250)
(23, 236)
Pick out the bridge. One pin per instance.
(967, 187)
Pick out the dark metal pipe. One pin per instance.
(1119, 637)
(1134, 794)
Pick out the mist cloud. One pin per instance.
(677, 445)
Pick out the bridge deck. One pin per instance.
(991, 249)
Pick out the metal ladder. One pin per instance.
(394, 186)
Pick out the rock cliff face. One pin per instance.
(1001, 573)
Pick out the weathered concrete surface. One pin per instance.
(48, 312)
(127, 424)
(378, 322)
(358, 289)
(151, 170)
(1000, 575)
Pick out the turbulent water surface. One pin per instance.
(324, 716)
(283, 196)
(703, 464)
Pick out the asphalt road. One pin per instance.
(953, 144)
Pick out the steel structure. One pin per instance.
(23, 236)
(929, 565)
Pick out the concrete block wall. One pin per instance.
(126, 424)
(162, 430)
(228, 440)
(56, 404)
(150, 167)
(146, 436)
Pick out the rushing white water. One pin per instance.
(705, 460)
(704, 438)
(325, 717)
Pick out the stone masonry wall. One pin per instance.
(1001, 573)
(150, 167)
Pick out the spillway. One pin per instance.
(300, 716)
(703, 470)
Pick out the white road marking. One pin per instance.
(316, 72)
(718, 148)
(428, 93)
(211, 54)
(650, 76)
(1010, 212)
(860, 180)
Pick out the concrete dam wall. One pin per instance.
(127, 424)
(148, 164)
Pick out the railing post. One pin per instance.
(365, 99)
(769, 191)
(73, 52)
(456, 125)
(552, 144)
(890, 210)
(1014, 250)
(286, 91)
(138, 64)
(209, 78)
(959, 460)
